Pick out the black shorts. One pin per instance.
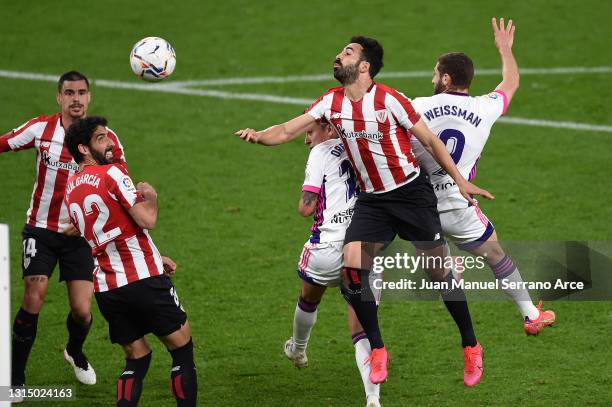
(410, 212)
(145, 306)
(43, 248)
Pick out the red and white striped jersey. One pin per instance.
(98, 199)
(54, 165)
(376, 134)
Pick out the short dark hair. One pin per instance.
(71, 76)
(81, 132)
(458, 66)
(372, 52)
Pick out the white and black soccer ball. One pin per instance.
(153, 59)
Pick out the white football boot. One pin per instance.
(298, 357)
(85, 376)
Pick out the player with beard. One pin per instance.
(463, 123)
(375, 124)
(48, 237)
(133, 292)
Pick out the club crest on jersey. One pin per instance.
(381, 115)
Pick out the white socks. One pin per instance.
(521, 296)
(303, 321)
(362, 352)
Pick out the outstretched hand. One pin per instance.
(468, 189)
(504, 34)
(249, 135)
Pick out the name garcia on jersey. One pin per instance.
(88, 179)
(451, 110)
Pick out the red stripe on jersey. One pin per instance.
(335, 89)
(413, 116)
(61, 180)
(386, 143)
(145, 246)
(127, 261)
(4, 145)
(364, 147)
(107, 269)
(403, 139)
(336, 107)
(47, 135)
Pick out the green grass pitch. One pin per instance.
(228, 209)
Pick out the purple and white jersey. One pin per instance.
(463, 123)
(330, 175)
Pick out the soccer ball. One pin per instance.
(153, 59)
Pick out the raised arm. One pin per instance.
(504, 38)
(437, 149)
(278, 134)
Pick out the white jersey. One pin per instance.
(463, 123)
(330, 175)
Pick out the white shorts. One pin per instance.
(321, 263)
(467, 227)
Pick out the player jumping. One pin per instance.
(132, 291)
(463, 123)
(375, 123)
(329, 193)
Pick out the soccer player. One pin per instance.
(329, 193)
(46, 238)
(132, 291)
(463, 123)
(375, 123)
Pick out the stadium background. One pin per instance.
(228, 209)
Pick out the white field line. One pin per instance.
(408, 74)
(168, 88)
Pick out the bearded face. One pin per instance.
(346, 74)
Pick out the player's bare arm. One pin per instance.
(308, 203)
(145, 213)
(278, 134)
(437, 149)
(504, 38)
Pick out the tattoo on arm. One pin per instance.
(309, 198)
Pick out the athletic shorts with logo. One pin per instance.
(43, 249)
(150, 305)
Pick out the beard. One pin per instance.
(346, 75)
(101, 158)
(439, 88)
